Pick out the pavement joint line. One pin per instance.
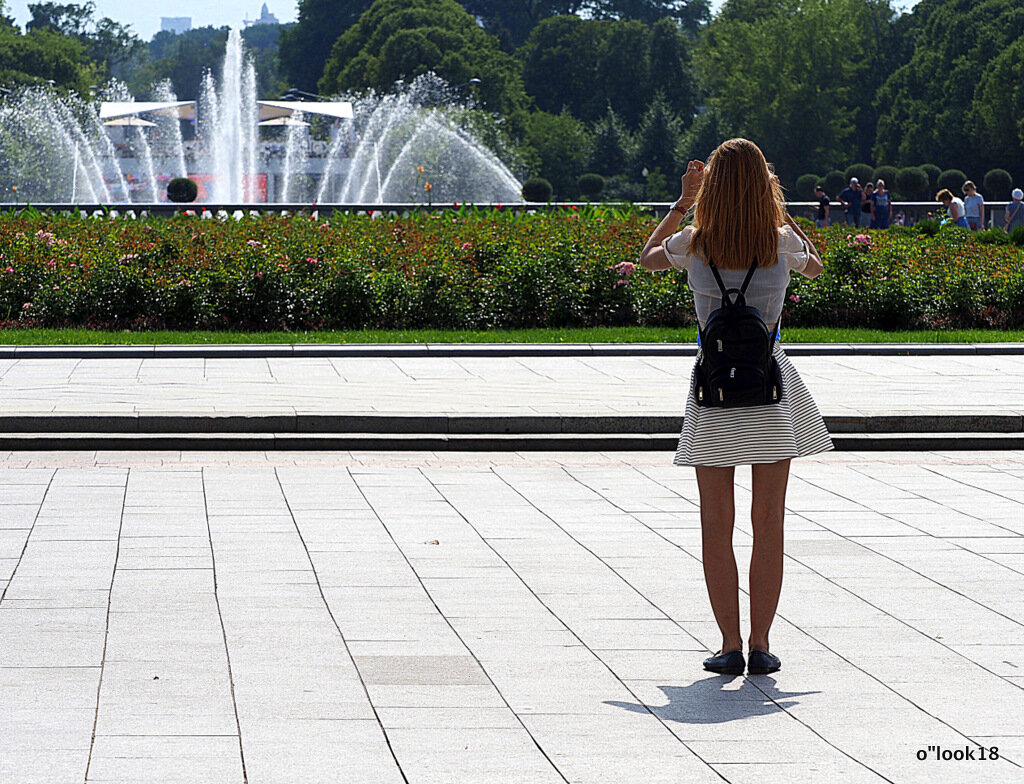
(753, 681)
(825, 645)
(459, 350)
(380, 519)
(555, 615)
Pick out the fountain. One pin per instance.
(412, 146)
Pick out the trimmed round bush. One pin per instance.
(590, 184)
(887, 173)
(835, 181)
(182, 190)
(998, 183)
(912, 182)
(933, 173)
(805, 184)
(954, 180)
(537, 189)
(861, 171)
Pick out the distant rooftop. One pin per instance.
(176, 24)
(265, 18)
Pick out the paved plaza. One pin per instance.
(580, 385)
(511, 617)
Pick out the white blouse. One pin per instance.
(767, 289)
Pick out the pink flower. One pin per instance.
(51, 264)
(56, 288)
(259, 274)
(9, 269)
(254, 244)
(467, 246)
(312, 260)
(26, 306)
(794, 298)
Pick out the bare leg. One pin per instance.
(717, 514)
(766, 515)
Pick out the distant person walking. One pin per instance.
(974, 207)
(881, 206)
(867, 206)
(851, 197)
(955, 206)
(1015, 210)
(740, 232)
(824, 205)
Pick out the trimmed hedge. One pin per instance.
(462, 270)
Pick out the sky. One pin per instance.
(144, 15)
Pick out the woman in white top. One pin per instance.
(738, 217)
(955, 206)
(974, 206)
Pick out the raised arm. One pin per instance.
(653, 257)
(814, 266)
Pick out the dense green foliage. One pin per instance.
(402, 39)
(463, 270)
(632, 85)
(957, 101)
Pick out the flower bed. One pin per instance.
(459, 270)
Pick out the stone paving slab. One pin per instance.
(419, 617)
(457, 395)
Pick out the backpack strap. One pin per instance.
(721, 284)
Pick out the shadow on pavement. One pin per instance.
(707, 702)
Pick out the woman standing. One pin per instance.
(739, 217)
(974, 206)
(1015, 211)
(881, 206)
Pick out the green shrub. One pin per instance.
(993, 236)
(1017, 236)
(537, 189)
(912, 182)
(953, 180)
(997, 184)
(933, 173)
(182, 190)
(887, 173)
(466, 269)
(835, 181)
(861, 171)
(590, 184)
(805, 185)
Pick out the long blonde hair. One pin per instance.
(738, 209)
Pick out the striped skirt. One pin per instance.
(757, 434)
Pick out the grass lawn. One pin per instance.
(583, 335)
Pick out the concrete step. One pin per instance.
(554, 442)
(466, 425)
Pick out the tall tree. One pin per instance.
(306, 46)
(110, 44)
(71, 19)
(584, 65)
(402, 39)
(612, 148)
(656, 138)
(790, 74)
(950, 104)
(43, 55)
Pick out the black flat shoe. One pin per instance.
(731, 663)
(762, 662)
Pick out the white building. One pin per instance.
(176, 24)
(265, 18)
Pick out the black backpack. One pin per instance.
(736, 367)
